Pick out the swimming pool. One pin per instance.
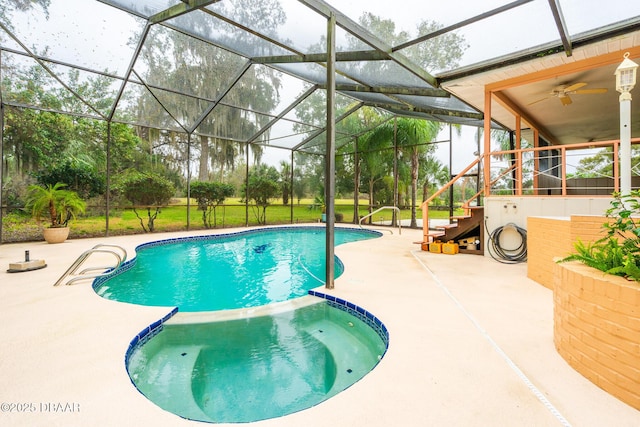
(248, 338)
(255, 368)
(219, 272)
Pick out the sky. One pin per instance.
(524, 27)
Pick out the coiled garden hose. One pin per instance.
(508, 256)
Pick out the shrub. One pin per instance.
(79, 176)
(146, 190)
(262, 186)
(617, 253)
(209, 196)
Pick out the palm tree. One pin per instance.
(54, 202)
(435, 174)
(376, 157)
(411, 137)
(285, 179)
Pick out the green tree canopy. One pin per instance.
(146, 190)
(263, 186)
(78, 175)
(209, 196)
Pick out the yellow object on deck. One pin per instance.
(435, 247)
(450, 248)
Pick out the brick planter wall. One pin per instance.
(597, 328)
(549, 238)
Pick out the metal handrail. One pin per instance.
(120, 258)
(381, 209)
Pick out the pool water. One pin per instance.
(248, 342)
(219, 272)
(251, 369)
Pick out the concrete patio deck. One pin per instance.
(471, 344)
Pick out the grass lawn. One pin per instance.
(20, 227)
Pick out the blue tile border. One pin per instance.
(367, 317)
(359, 312)
(146, 334)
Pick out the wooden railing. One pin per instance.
(425, 204)
(519, 173)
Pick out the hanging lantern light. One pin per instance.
(626, 75)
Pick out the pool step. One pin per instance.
(180, 399)
(341, 343)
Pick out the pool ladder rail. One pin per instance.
(395, 208)
(118, 252)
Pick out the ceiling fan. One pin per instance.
(562, 92)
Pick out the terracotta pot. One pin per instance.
(56, 235)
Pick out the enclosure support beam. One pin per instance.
(356, 182)
(396, 200)
(107, 198)
(189, 181)
(625, 143)
(325, 129)
(1, 160)
(330, 156)
(246, 185)
(320, 58)
(363, 34)
(284, 112)
(215, 103)
(400, 109)
(459, 25)
(487, 143)
(293, 164)
(1, 147)
(451, 175)
(556, 10)
(179, 9)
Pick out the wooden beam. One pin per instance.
(569, 68)
(507, 103)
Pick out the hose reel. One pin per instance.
(508, 255)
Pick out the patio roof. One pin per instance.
(127, 45)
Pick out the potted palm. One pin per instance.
(56, 204)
